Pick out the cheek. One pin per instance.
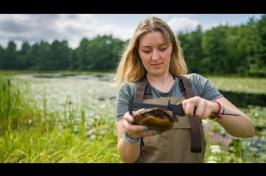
(145, 61)
(167, 57)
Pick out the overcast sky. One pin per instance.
(74, 27)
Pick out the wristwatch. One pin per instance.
(130, 140)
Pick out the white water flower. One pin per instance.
(215, 149)
(212, 159)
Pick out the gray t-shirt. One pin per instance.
(201, 87)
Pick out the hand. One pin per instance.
(135, 131)
(203, 108)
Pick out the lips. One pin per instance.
(156, 65)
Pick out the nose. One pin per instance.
(155, 55)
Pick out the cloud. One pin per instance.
(182, 24)
(50, 27)
(29, 28)
(73, 27)
(212, 25)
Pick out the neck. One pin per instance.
(162, 82)
(165, 78)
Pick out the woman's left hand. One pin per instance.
(201, 107)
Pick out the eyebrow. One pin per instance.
(159, 45)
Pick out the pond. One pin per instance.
(81, 91)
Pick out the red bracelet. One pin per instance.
(218, 115)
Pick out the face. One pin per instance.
(155, 53)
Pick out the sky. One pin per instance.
(73, 27)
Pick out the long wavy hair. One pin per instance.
(130, 67)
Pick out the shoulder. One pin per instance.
(124, 87)
(203, 87)
(127, 88)
(198, 82)
(196, 78)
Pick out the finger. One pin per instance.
(128, 117)
(189, 108)
(209, 109)
(125, 124)
(149, 133)
(208, 112)
(135, 130)
(201, 106)
(138, 112)
(184, 105)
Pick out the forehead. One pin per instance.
(152, 38)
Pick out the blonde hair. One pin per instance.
(130, 67)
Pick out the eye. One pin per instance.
(163, 49)
(147, 51)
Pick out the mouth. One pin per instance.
(156, 65)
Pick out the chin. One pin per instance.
(156, 72)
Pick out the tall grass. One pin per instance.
(14, 109)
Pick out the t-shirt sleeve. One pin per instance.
(203, 87)
(123, 97)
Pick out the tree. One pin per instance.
(191, 44)
(59, 55)
(24, 60)
(100, 53)
(215, 49)
(2, 57)
(80, 55)
(10, 56)
(40, 54)
(259, 65)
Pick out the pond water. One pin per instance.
(80, 91)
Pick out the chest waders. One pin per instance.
(184, 143)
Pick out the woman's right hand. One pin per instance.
(133, 130)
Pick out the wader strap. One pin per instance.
(142, 91)
(195, 133)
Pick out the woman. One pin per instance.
(154, 58)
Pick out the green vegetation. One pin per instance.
(239, 84)
(227, 49)
(30, 132)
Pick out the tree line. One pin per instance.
(224, 49)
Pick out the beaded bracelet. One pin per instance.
(130, 140)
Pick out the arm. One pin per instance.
(130, 152)
(238, 126)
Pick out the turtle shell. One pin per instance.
(155, 119)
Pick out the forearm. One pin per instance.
(129, 152)
(238, 126)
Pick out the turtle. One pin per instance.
(155, 119)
